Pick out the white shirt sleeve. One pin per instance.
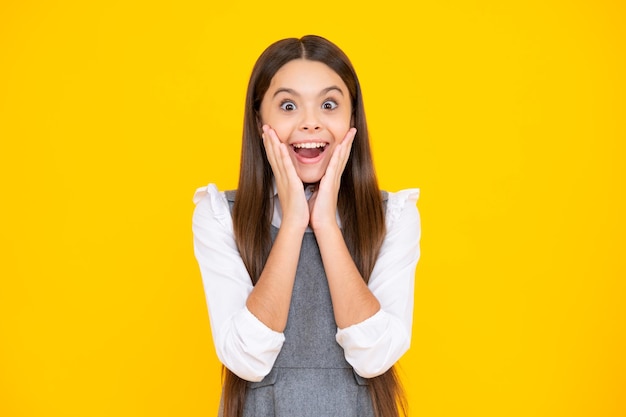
(374, 345)
(243, 343)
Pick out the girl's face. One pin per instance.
(309, 107)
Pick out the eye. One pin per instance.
(329, 105)
(287, 105)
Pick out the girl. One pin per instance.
(308, 267)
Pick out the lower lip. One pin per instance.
(309, 160)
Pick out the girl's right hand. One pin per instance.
(290, 188)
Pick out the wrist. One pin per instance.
(295, 226)
(326, 228)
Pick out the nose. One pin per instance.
(310, 122)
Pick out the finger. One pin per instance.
(269, 150)
(347, 148)
(282, 165)
(273, 150)
(340, 156)
(282, 156)
(350, 134)
(344, 147)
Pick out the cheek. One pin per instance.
(339, 128)
(282, 129)
(283, 132)
(343, 122)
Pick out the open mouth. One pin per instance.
(309, 149)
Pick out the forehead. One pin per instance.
(306, 75)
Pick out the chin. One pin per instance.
(310, 178)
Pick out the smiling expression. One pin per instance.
(309, 107)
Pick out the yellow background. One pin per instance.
(510, 117)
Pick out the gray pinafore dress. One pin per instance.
(311, 377)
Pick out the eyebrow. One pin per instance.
(295, 93)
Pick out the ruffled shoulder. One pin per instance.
(398, 201)
(214, 200)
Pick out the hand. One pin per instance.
(323, 202)
(290, 188)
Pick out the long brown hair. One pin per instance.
(359, 203)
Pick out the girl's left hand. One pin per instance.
(323, 202)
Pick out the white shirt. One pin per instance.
(248, 347)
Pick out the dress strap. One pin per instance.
(230, 195)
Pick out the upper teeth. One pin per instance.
(309, 145)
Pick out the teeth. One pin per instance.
(309, 145)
